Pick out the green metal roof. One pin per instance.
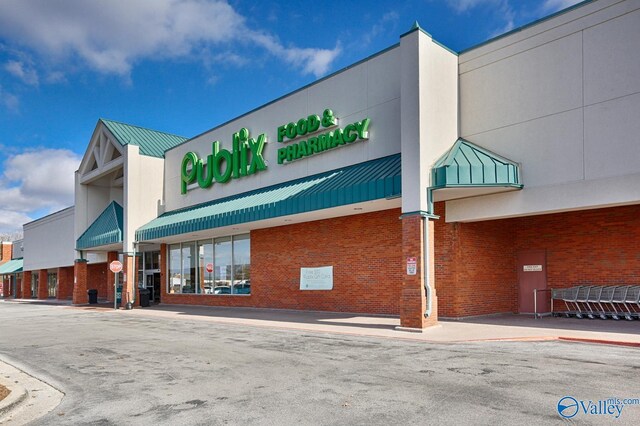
(468, 165)
(11, 267)
(106, 229)
(367, 181)
(151, 142)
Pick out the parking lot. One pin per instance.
(125, 368)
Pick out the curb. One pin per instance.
(14, 399)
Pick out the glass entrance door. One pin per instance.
(34, 285)
(52, 284)
(152, 283)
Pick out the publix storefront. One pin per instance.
(419, 182)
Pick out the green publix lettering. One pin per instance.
(322, 142)
(221, 165)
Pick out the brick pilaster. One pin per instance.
(65, 283)
(129, 280)
(43, 285)
(111, 277)
(412, 299)
(80, 296)
(26, 284)
(5, 286)
(18, 286)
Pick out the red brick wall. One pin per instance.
(5, 253)
(365, 251)
(476, 262)
(97, 278)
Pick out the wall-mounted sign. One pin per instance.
(532, 268)
(244, 159)
(412, 265)
(318, 142)
(316, 278)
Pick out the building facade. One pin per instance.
(419, 182)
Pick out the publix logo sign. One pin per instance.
(303, 138)
(244, 159)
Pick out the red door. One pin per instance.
(532, 274)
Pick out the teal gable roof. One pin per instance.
(375, 179)
(106, 229)
(468, 165)
(151, 142)
(11, 267)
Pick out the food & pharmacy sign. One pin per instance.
(246, 155)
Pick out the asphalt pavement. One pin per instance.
(115, 367)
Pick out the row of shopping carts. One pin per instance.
(593, 301)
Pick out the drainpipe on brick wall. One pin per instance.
(427, 246)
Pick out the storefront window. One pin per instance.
(189, 283)
(222, 266)
(205, 266)
(217, 266)
(241, 265)
(175, 269)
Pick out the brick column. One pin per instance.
(80, 296)
(5, 286)
(413, 302)
(111, 277)
(43, 285)
(129, 280)
(65, 283)
(26, 284)
(18, 286)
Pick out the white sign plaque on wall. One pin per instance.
(532, 268)
(412, 265)
(316, 278)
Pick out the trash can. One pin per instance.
(144, 297)
(93, 296)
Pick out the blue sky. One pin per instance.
(184, 66)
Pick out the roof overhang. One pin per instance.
(13, 266)
(378, 179)
(468, 170)
(105, 231)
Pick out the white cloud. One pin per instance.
(502, 8)
(23, 71)
(36, 180)
(9, 101)
(550, 6)
(12, 221)
(110, 36)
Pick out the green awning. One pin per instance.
(106, 229)
(11, 267)
(372, 180)
(152, 143)
(468, 165)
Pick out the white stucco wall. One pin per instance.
(562, 98)
(368, 89)
(49, 242)
(429, 120)
(143, 191)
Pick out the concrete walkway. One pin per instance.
(487, 328)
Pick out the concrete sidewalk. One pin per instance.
(487, 328)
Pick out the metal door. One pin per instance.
(532, 274)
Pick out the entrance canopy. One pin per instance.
(105, 230)
(11, 267)
(372, 180)
(468, 170)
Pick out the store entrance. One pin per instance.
(152, 283)
(52, 285)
